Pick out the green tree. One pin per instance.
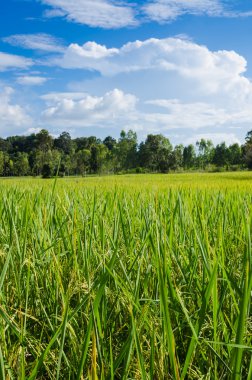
(248, 137)
(82, 161)
(155, 153)
(176, 157)
(99, 154)
(189, 156)
(52, 158)
(247, 150)
(221, 155)
(205, 152)
(235, 154)
(46, 171)
(21, 165)
(110, 143)
(64, 143)
(2, 163)
(5, 145)
(44, 140)
(69, 162)
(85, 142)
(126, 150)
(8, 165)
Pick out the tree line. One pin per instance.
(42, 154)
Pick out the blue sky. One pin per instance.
(182, 68)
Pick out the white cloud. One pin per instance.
(40, 41)
(213, 72)
(10, 61)
(32, 130)
(93, 51)
(191, 115)
(29, 80)
(118, 110)
(196, 116)
(117, 14)
(152, 86)
(169, 10)
(180, 85)
(84, 110)
(170, 54)
(95, 13)
(54, 97)
(11, 115)
(51, 13)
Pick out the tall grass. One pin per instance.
(125, 280)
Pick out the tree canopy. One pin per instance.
(41, 154)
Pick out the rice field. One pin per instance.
(126, 277)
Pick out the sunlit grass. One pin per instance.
(126, 277)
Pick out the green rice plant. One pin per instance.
(126, 277)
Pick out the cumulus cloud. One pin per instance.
(180, 86)
(212, 71)
(11, 115)
(11, 61)
(165, 86)
(39, 41)
(116, 109)
(85, 110)
(95, 13)
(170, 54)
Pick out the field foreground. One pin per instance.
(127, 277)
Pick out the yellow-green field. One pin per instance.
(126, 277)
(154, 182)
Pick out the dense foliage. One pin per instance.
(126, 277)
(41, 154)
